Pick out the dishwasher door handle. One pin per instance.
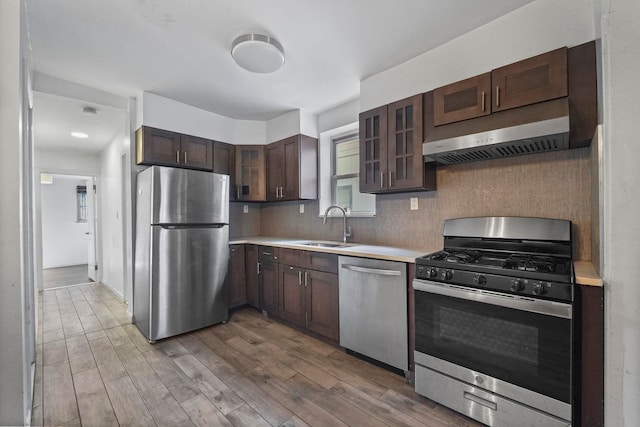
(371, 270)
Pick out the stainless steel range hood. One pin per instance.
(525, 130)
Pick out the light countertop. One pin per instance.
(388, 253)
(586, 274)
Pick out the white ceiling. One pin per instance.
(55, 117)
(181, 49)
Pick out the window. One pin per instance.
(345, 185)
(81, 202)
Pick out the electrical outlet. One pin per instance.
(414, 203)
(301, 207)
(245, 209)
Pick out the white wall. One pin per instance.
(164, 113)
(12, 348)
(537, 27)
(64, 241)
(621, 206)
(111, 212)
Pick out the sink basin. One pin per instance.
(326, 244)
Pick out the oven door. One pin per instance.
(524, 345)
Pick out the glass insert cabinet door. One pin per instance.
(250, 173)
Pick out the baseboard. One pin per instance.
(116, 292)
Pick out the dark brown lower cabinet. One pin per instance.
(308, 284)
(236, 277)
(268, 287)
(309, 299)
(292, 294)
(590, 355)
(321, 302)
(251, 275)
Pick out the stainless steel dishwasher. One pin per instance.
(373, 309)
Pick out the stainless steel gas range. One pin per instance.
(494, 321)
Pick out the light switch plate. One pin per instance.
(414, 203)
(245, 208)
(301, 207)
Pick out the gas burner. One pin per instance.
(459, 257)
(542, 264)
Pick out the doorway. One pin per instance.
(68, 206)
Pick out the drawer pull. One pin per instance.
(480, 401)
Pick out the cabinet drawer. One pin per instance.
(322, 262)
(293, 257)
(267, 253)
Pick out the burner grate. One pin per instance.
(459, 257)
(542, 264)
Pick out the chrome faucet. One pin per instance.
(346, 231)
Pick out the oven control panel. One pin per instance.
(499, 283)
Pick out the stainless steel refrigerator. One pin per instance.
(182, 251)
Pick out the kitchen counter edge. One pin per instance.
(388, 253)
(586, 274)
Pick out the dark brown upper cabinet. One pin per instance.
(532, 80)
(292, 169)
(250, 182)
(166, 148)
(224, 162)
(391, 149)
(462, 100)
(373, 150)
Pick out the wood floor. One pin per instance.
(94, 368)
(65, 276)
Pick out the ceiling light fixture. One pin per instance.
(79, 135)
(257, 53)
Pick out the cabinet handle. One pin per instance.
(178, 156)
(282, 192)
(381, 179)
(390, 176)
(483, 104)
(266, 253)
(299, 278)
(306, 278)
(258, 267)
(497, 96)
(238, 192)
(185, 157)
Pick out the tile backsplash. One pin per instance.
(549, 185)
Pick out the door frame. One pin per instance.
(38, 219)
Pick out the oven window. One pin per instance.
(526, 349)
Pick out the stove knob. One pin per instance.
(433, 272)
(481, 280)
(517, 286)
(540, 288)
(447, 275)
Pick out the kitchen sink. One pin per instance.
(326, 244)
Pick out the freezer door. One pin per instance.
(188, 267)
(184, 196)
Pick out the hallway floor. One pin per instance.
(95, 368)
(65, 276)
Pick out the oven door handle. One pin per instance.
(550, 308)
